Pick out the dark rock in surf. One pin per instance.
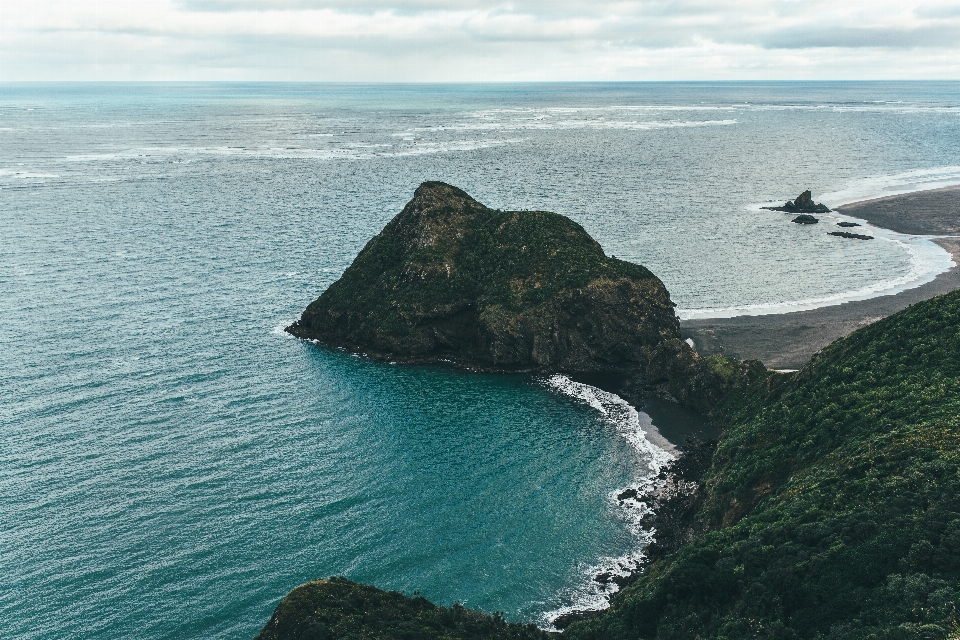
(852, 236)
(450, 279)
(805, 219)
(803, 204)
(848, 224)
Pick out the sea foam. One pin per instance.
(653, 453)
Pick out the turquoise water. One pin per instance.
(171, 464)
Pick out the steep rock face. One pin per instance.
(449, 278)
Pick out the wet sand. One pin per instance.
(788, 340)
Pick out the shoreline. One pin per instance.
(784, 341)
(789, 340)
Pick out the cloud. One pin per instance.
(373, 40)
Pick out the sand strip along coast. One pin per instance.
(789, 340)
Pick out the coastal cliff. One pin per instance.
(450, 279)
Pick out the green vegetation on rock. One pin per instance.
(832, 507)
(339, 608)
(499, 290)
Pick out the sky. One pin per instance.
(478, 40)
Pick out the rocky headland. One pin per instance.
(450, 279)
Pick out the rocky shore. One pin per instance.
(789, 340)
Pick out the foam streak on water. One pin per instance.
(634, 426)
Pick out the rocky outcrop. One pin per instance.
(803, 204)
(450, 279)
(805, 219)
(677, 372)
(852, 236)
(848, 224)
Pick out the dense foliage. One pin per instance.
(832, 505)
(338, 608)
(460, 251)
(505, 290)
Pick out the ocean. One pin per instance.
(172, 463)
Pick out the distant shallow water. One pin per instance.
(173, 465)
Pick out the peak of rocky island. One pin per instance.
(451, 279)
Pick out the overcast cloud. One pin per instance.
(477, 40)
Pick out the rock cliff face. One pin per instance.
(451, 279)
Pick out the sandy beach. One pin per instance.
(787, 341)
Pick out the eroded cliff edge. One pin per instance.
(449, 278)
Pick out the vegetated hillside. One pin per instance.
(832, 505)
(831, 510)
(338, 608)
(449, 278)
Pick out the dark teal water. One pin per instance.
(171, 464)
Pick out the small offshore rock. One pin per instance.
(852, 236)
(803, 204)
(848, 224)
(805, 219)
(629, 493)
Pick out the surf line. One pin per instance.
(599, 580)
(927, 260)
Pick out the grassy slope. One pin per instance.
(835, 500)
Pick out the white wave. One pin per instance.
(653, 452)
(871, 187)
(352, 151)
(26, 175)
(280, 329)
(542, 123)
(604, 109)
(618, 412)
(867, 107)
(926, 259)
